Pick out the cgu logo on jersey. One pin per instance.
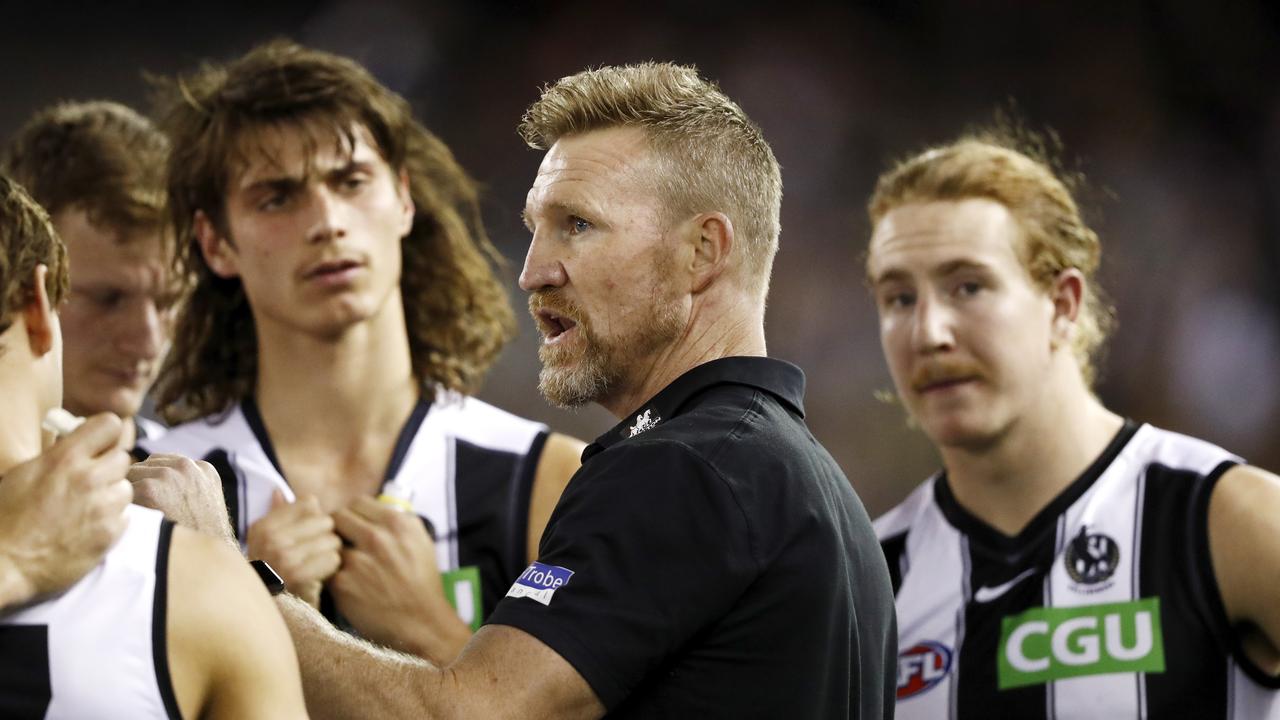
(921, 667)
(1045, 644)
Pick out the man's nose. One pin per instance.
(144, 329)
(933, 326)
(324, 215)
(542, 268)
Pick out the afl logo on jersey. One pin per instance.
(1091, 559)
(921, 667)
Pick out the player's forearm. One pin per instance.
(344, 677)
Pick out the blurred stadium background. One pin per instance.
(1171, 109)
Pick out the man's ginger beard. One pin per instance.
(594, 367)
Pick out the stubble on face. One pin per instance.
(595, 367)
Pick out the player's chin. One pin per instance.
(957, 429)
(125, 402)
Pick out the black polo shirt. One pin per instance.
(710, 559)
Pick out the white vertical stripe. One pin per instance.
(449, 532)
(1139, 510)
(931, 601)
(966, 594)
(1108, 507)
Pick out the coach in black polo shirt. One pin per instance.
(710, 559)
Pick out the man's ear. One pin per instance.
(218, 252)
(1067, 294)
(38, 315)
(407, 208)
(713, 244)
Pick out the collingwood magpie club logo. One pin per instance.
(644, 421)
(1091, 559)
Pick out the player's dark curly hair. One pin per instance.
(456, 311)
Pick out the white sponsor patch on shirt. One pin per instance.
(540, 582)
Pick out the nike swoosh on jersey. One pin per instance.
(987, 594)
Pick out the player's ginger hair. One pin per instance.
(991, 166)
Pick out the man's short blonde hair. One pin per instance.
(1019, 175)
(709, 155)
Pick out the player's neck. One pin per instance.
(325, 391)
(20, 435)
(1009, 481)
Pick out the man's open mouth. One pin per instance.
(553, 325)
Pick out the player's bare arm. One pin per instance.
(229, 651)
(1244, 522)
(561, 458)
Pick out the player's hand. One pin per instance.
(60, 512)
(389, 586)
(188, 492)
(297, 541)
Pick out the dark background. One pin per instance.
(1172, 110)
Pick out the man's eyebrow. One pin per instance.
(352, 165)
(557, 207)
(890, 275)
(953, 266)
(279, 183)
(948, 268)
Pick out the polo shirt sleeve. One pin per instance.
(660, 549)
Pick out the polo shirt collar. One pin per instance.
(776, 377)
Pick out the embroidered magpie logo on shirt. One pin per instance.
(540, 582)
(1091, 559)
(643, 422)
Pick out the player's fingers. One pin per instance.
(97, 435)
(354, 527)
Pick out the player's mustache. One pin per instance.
(943, 370)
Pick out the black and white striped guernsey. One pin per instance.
(1104, 606)
(97, 650)
(470, 467)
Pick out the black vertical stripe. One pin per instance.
(407, 434)
(978, 694)
(26, 688)
(483, 481)
(895, 554)
(159, 627)
(221, 462)
(518, 508)
(1193, 630)
(253, 418)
